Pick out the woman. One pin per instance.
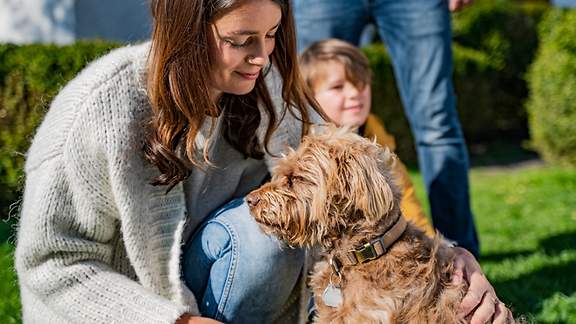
(136, 153)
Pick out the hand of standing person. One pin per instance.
(457, 5)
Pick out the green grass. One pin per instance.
(526, 219)
(9, 300)
(528, 226)
(527, 223)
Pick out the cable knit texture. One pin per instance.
(96, 242)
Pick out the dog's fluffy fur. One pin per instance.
(336, 192)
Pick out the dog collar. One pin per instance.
(371, 250)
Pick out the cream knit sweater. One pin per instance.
(96, 242)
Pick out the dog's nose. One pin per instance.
(252, 200)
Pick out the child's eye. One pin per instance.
(338, 87)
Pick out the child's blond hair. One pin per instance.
(355, 62)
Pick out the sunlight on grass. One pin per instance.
(527, 225)
(528, 231)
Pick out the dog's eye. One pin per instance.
(298, 179)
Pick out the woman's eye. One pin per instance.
(271, 35)
(238, 45)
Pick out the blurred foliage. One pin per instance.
(494, 43)
(552, 79)
(10, 301)
(30, 76)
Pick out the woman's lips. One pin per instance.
(249, 76)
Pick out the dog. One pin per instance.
(336, 192)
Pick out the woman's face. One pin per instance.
(240, 43)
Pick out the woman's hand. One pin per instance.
(189, 319)
(480, 305)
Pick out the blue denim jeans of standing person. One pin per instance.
(417, 34)
(239, 274)
(564, 3)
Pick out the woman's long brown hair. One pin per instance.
(178, 73)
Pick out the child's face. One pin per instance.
(345, 104)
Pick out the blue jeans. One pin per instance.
(240, 275)
(564, 3)
(417, 34)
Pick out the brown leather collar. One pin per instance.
(373, 249)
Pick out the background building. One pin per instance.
(64, 21)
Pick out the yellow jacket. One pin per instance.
(409, 205)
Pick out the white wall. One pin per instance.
(37, 21)
(63, 21)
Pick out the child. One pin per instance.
(339, 75)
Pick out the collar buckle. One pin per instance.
(365, 253)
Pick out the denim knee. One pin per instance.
(236, 271)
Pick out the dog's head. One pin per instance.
(335, 183)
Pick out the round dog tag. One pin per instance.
(332, 296)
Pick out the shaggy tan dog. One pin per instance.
(336, 192)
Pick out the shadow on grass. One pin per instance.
(526, 293)
(552, 245)
(558, 243)
(499, 257)
(500, 153)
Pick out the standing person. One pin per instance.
(132, 210)
(418, 37)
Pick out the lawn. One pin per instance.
(526, 218)
(527, 223)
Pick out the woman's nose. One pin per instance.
(259, 56)
(258, 60)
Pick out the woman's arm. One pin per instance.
(189, 319)
(66, 242)
(480, 304)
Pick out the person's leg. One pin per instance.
(237, 273)
(322, 19)
(418, 36)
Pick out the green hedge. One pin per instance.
(494, 43)
(552, 79)
(30, 76)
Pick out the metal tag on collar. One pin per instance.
(332, 296)
(365, 253)
(335, 264)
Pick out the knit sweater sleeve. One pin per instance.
(69, 232)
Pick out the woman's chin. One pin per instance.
(239, 91)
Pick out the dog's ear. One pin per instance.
(369, 189)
